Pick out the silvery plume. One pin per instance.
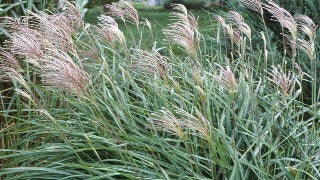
(9, 65)
(150, 62)
(283, 81)
(227, 79)
(58, 70)
(183, 30)
(123, 10)
(108, 30)
(254, 5)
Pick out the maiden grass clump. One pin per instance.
(87, 102)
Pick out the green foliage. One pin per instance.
(93, 3)
(190, 4)
(143, 7)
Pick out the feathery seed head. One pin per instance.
(235, 17)
(115, 11)
(181, 8)
(197, 123)
(183, 16)
(147, 23)
(56, 29)
(254, 5)
(24, 94)
(238, 22)
(150, 62)
(14, 75)
(108, 29)
(220, 20)
(166, 121)
(227, 79)
(228, 28)
(237, 36)
(183, 35)
(283, 17)
(308, 47)
(61, 72)
(123, 10)
(26, 43)
(285, 82)
(71, 10)
(234, 34)
(130, 12)
(8, 65)
(107, 20)
(8, 60)
(11, 24)
(306, 25)
(183, 31)
(304, 20)
(245, 28)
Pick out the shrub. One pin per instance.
(93, 3)
(190, 4)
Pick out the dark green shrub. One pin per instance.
(93, 3)
(190, 4)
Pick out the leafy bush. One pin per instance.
(190, 4)
(90, 102)
(93, 3)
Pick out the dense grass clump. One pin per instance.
(87, 101)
